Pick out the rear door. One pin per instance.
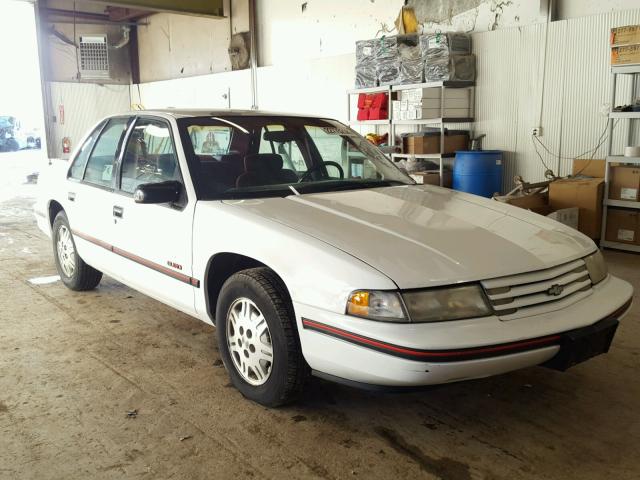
(153, 242)
(90, 194)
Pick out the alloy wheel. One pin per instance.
(66, 251)
(249, 341)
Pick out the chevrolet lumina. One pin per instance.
(313, 254)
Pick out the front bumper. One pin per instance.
(425, 354)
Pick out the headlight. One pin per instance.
(597, 267)
(442, 304)
(376, 305)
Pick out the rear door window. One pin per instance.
(99, 169)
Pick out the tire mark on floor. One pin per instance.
(443, 468)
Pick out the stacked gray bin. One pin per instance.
(387, 63)
(411, 62)
(365, 64)
(447, 56)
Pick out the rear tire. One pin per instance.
(258, 339)
(73, 271)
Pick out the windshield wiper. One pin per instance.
(337, 185)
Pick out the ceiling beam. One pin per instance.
(120, 14)
(56, 15)
(207, 8)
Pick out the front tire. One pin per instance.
(257, 338)
(73, 271)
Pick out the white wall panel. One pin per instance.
(317, 86)
(292, 31)
(223, 90)
(84, 105)
(496, 95)
(177, 46)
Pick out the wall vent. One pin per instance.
(94, 56)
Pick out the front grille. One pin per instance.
(538, 292)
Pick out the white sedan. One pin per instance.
(313, 254)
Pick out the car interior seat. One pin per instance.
(264, 169)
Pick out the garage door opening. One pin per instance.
(21, 115)
(22, 140)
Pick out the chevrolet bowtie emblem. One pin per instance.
(555, 290)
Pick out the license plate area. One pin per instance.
(582, 344)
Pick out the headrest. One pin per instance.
(263, 161)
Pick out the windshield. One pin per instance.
(236, 157)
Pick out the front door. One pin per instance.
(153, 242)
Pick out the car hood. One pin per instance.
(423, 236)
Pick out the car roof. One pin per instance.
(207, 112)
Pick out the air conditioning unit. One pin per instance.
(94, 57)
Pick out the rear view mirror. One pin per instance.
(279, 136)
(163, 192)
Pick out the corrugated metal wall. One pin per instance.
(575, 83)
(84, 105)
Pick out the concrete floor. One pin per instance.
(73, 364)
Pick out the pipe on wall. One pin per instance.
(253, 63)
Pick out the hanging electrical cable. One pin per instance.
(592, 151)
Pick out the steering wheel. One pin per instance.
(308, 173)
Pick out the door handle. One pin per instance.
(71, 196)
(118, 211)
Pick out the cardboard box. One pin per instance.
(624, 183)
(418, 94)
(533, 201)
(455, 103)
(627, 35)
(567, 216)
(623, 226)
(422, 144)
(421, 113)
(626, 55)
(589, 167)
(433, 178)
(585, 194)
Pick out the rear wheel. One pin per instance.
(73, 271)
(257, 338)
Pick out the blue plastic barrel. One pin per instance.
(478, 172)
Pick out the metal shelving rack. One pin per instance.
(442, 121)
(630, 116)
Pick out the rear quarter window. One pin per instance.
(80, 161)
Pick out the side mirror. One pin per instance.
(163, 192)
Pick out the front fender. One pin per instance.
(315, 273)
